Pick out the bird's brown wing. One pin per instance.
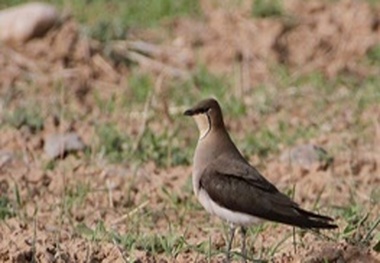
(240, 188)
(239, 167)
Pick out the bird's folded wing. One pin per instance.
(241, 195)
(240, 168)
(244, 190)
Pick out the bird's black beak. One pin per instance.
(189, 112)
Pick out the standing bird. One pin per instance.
(228, 186)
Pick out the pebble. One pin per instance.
(306, 156)
(57, 145)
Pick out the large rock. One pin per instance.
(21, 23)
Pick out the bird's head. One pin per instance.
(208, 116)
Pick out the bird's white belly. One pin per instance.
(237, 218)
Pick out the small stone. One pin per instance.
(5, 158)
(58, 145)
(307, 156)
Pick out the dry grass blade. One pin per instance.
(143, 47)
(147, 56)
(156, 66)
(130, 214)
(144, 123)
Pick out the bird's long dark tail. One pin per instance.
(312, 220)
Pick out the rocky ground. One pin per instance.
(123, 193)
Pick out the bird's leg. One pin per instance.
(229, 243)
(243, 232)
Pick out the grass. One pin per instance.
(202, 84)
(141, 86)
(359, 229)
(166, 150)
(8, 3)
(163, 147)
(108, 20)
(113, 144)
(28, 116)
(170, 243)
(11, 204)
(267, 8)
(373, 55)
(6, 209)
(99, 233)
(160, 147)
(74, 197)
(122, 16)
(144, 168)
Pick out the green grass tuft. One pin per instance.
(75, 196)
(118, 17)
(140, 86)
(162, 148)
(373, 55)
(26, 117)
(267, 8)
(6, 208)
(113, 144)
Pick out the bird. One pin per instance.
(228, 186)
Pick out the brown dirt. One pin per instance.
(331, 38)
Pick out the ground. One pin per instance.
(286, 74)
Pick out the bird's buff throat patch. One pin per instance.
(204, 124)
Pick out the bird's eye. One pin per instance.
(204, 110)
